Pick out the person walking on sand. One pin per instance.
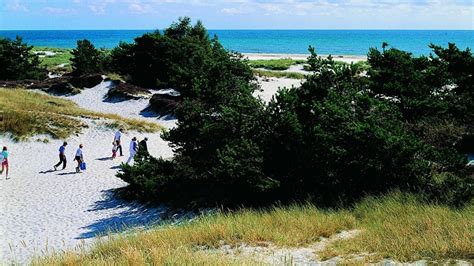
(133, 149)
(117, 139)
(4, 160)
(114, 149)
(142, 150)
(62, 157)
(79, 158)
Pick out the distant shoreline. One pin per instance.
(270, 56)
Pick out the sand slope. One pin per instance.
(53, 210)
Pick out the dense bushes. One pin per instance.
(86, 59)
(338, 137)
(174, 58)
(18, 62)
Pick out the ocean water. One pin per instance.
(337, 42)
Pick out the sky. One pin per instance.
(237, 14)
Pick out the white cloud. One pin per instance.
(16, 5)
(58, 10)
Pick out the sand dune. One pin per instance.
(45, 210)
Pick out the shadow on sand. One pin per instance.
(47, 172)
(70, 173)
(130, 215)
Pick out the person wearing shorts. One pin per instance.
(79, 158)
(117, 139)
(4, 161)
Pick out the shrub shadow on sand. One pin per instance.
(132, 215)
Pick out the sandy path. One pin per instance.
(42, 209)
(46, 210)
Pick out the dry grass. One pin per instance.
(275, 64)
(186, 244)
(27, 113)
(278, 74)
(397, 226)
(403, 228)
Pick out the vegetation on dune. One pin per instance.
(406, 229)
(86, 59)
(27, 113)
(400, 227)
(275, 64)
(17, 62)
(278, 74)
(394, 128)
(60, 61)
(180, 57)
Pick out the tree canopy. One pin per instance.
(18, 62)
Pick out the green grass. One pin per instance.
(397, 226)
(27, 113)
(275, 64)
(406, 229)
(62, 56)
(278, 74)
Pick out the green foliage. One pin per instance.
(175, 58)
(53, 62)
(275, 64)
(86, 59)
(335, 139)
(17, 62)
(278, 74)
(330, 135)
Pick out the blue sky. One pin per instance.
(238, 14)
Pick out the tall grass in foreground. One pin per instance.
(27, 113)
(290, 226)
(406, 229)
(399, 227)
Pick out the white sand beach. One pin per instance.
(45, 210)
(342, 58)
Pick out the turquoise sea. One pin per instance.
(338, 42)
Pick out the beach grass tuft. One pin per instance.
(406, 229)
(275, 64)
(278, 74)
(27, 113)
(398, 226)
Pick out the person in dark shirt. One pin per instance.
(62, 157)
(143, 146)
(143, 150)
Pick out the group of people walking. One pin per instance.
(135, 146)
(79, 157)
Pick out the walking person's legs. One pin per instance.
(79, 161)
(5, 168)
(62, 160)
(132, 155)
(119, 148)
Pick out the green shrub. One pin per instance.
(86, 59)
(335, 139)
(18, 62)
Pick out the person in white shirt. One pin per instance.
(117, 139)
(133, 149)
(79, 158)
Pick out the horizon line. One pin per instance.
(243, 29)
